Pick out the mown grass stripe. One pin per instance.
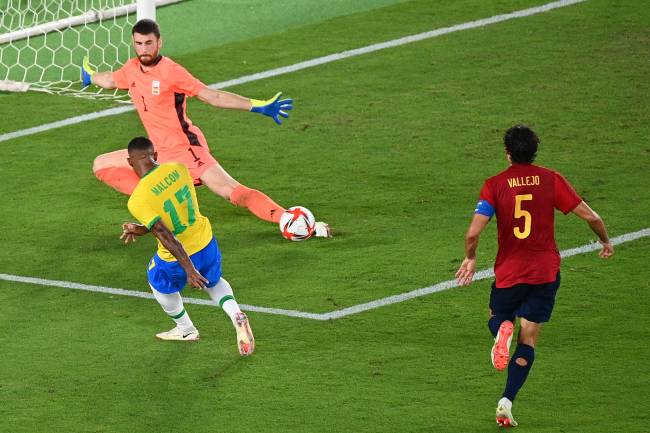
(481, 275)
(309, 64)
(445, 285)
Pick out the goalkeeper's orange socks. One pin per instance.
(121, 179)
(257, 202)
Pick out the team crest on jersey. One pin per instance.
(155, 87)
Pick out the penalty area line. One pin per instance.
(147, 295)
(337, 314)
(481, 275)
(311, 63)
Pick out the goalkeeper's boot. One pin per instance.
(178, 334)
(245, 339)
(504, 415)
(322, 230)
(501, 348)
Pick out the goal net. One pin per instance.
(43, 42)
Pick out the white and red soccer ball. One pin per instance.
(297, 223)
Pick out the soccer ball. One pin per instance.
(297, 223)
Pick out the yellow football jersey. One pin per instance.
(167, 194)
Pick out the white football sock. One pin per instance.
(172, 304)
(221, 293)
(505, 402)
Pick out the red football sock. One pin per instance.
(257, 202)
(122, 179)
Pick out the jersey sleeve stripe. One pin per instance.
(153, 221)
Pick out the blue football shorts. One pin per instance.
(169, 277)
(533, 302)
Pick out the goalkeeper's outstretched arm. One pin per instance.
(90, 76)
(274, 107)
(222, 99)
(104, 80)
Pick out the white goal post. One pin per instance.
(42, 42)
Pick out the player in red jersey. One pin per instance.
(527, 268)
(158, 88)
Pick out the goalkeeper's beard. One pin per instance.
(151, 59)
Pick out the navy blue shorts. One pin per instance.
(169, 277)
(533, 302)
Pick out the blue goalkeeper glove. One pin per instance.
(273, 107)
(86, 72)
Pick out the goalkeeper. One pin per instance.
(158, 88)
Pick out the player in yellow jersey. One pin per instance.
(164, 202)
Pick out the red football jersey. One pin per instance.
(159, 96)
(525, 197)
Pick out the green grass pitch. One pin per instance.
(391, 149)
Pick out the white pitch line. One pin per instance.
(337, 314)
(311, 63)
(482, 275)
(148, 295)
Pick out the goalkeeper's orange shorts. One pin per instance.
(196, 158)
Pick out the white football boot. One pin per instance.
(322, 230)
(504, 416)
(177, 334)
(245, 339)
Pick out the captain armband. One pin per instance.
(484, 207)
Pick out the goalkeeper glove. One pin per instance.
(273, 107)
(86, 72)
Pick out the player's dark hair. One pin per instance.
(521, 143)
(139, 143)
(146, 26)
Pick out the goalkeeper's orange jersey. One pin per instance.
(159, 96)
(167, 194)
